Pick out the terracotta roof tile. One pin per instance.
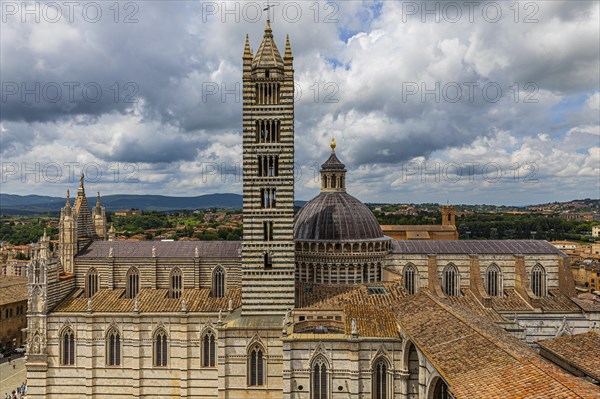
(581, 350)
(480, 360)
(150, 301)
(13, 289)
(164, 249)
(474, 247)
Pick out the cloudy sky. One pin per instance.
(481, 102)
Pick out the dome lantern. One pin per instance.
(333, 173)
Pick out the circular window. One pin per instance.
(300, 387)
(340, 388)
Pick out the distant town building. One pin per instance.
(13, 311)
(129, 212)
(446, 231)
(566, 245)
(587, 275)
(595, 231)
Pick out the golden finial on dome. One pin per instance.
(332, 145)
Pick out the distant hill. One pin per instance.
(34, 204)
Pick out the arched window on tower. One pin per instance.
(133, 283)
(319, 379)
(113, 347)
(538, 280)
(176, 287)
(218, 288)
(67, 350)
(411, 278)
(91, 282)
(380, 379)
(160, 348)
(208, 349)
(493, 280)
(451, 280)
(256, 371)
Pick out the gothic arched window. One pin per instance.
(133, 283)
(412, 359)
(451, 280)
(493, 280)
(91, 282)
(208, 349)
(440, 390)
(319, 379)
(176, 283)
(113, 347)
(67, 350)
(380, 379)
(218, 289)
(410, 278)
(538, 280)
(256, 370)
(160, 348)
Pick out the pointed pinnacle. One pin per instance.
(288, 48)
(247, 51)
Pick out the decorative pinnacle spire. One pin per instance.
(332, 145)
(81, 190)
(268, 30)
(288, 48)
(68, 202)
(247, 51)
(45, 236)
(98, 200)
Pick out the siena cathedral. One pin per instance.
(317, 305)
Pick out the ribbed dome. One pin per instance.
(336, 216)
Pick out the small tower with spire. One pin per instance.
(333, 173)
(67, 236)
(268, 147)
(76, 227)
(99, 217)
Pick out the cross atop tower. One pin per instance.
(268, 10)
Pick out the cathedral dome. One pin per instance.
(336, 216)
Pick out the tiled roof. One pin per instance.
(333, 164)
(480, 360)
(164, 249)
(150, 301)
(468, 300)
(581, 350)
(267, 55)
(474, 247)
(477, 358)
(13, 289)
(374, 313)
(588, 305)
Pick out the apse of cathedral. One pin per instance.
(320, 305)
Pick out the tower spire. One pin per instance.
(81, 189)
(68, 201)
